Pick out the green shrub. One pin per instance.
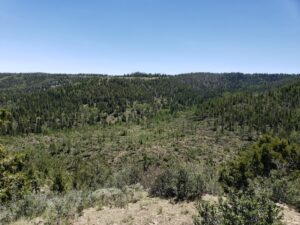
(272, 164)
(62, 209)
(15, 182)
(182, 183)
(29, 206)
(58, 184)
(165, 184)
(267, 155)
(239, 208)
(208, 214)
(286, 189)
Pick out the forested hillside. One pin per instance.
(72, 142)
(32, 81)
(277, 110)
(37, 102)
(94, 100)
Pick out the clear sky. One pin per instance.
(165, 36)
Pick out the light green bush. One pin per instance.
(239, 208)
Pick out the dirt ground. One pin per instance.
(291, 217)
(151, 211)
(145, 212)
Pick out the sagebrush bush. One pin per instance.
(29, 206)
(184, 182)
(62, 208)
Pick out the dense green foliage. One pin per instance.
(215, 84)
(6, 121)
(23, 82)
(95, 100)
(242, 208)
(15, 180)
(186, 183)
(270, 159)
(261, 159)
(277, 110)
(39, 102)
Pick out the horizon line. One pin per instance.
(150, 73)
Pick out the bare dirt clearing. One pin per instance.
(147, 211)
(291, 217)
(157, 211)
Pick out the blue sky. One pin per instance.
(165, 36)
